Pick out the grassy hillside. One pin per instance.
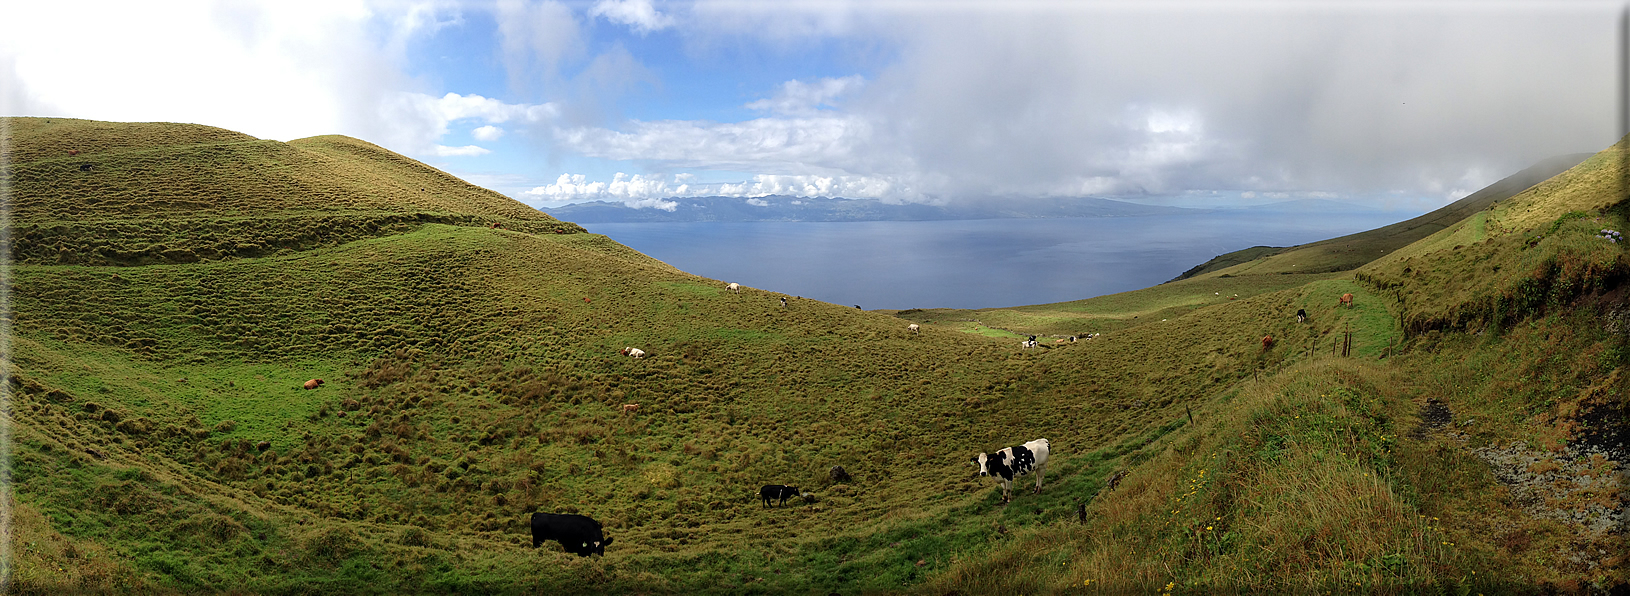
(97, 193)
(161, 442)
(1354, 250)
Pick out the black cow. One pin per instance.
(578, 534)
(772, 492)
(1301, 315)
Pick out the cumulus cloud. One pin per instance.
(639, 190)
(487, 133)
(635, 191)
(851, 187)
(638, 15)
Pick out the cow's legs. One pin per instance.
(1039, 472)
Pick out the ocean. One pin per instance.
(973, 263)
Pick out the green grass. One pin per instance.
(473, 378)
(1109, 313)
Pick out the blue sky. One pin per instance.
(642, 100)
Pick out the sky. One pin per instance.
(1395, 104)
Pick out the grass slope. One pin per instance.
(161, 443)
(1354, 250)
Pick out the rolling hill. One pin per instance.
(169, 300)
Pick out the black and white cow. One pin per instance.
(577, 534)
(772, 492)
(1014, 461)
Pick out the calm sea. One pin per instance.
(974, 263)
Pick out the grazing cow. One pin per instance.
(1301, 315)
(84, 167)
(578, 534)
(1072, 339)
(838, 474)
(73, 152)
(914, 329)
(1267, 342)
(312, 384)
(631, 408)
(857, 307)
(1347, 300)
(733, 287)
(772, 492)
(1014, 461)
(783, 302)
(635, 352)
(585, 299)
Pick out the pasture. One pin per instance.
(161, 442)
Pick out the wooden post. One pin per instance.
(1191, 414)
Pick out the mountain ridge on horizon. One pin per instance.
(791, 208)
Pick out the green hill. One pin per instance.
(1354, 250)
(161, 441)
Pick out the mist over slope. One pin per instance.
(161, 441)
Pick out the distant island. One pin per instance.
(785, 208)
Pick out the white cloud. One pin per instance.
(849, 187)
(421, 119)
(797, 98)
(1046, 98)
(775, 144)
(640, 190)
(535, 38)
(639, 15)
(758, 202)
(280, 70)
(635, 191)
(465, 151)
(266, 70)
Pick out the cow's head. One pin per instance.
(984, 461)
(592, 547)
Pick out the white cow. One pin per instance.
(1014, 461)
(914, 328)
(635, 352)
(734, 287)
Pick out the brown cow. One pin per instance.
(1267, 342)
(73, 152)
(1347, 300)
(312, 384)
(631, 408)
